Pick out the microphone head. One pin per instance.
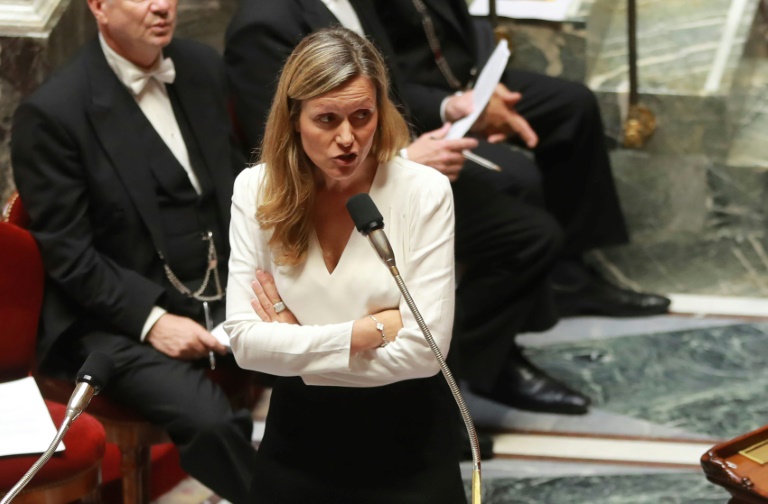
(364, 213)
(96, 370)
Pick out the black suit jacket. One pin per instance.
(423, 86)
(259, 39)
(82, 167)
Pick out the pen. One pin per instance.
(209, 326)
(471, 156)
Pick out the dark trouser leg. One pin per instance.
(506, 249)
(509, 246)
(580, 192)
(578, 184)
(214, 442)
(519, 178)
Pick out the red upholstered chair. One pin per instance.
(138, 440)
(124, 428)
(75, 473)
(14, 212)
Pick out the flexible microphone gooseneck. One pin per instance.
(90, 379)
(370, 224)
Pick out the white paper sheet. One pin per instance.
(483, 90)
(26, 426)
(549, 10)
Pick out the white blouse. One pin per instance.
(417, 205)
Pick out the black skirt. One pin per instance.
(395, 444)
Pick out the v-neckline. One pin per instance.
(341, 257)
(351, 236)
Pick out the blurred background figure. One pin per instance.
(130, 209)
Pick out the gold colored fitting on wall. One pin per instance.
(639, 126)
(503, 32)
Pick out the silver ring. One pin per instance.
(279, 306)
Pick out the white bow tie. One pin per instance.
(165, 72)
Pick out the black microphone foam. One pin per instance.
(364, 213)
(96, 370)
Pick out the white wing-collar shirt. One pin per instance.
(152, 97)
(345, 13)
(417, 205)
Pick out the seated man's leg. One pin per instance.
(519, 176)
(214, 442)
(578, 184)
(579, 191)
(506, 249)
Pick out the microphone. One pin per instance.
(92, 376)
(370, 223)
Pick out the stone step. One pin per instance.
(691, 264)
(697, 225)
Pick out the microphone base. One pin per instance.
(476, 485)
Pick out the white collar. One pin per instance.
(133, 76)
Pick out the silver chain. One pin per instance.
(212, 270)
(434, 44)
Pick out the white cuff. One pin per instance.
(444, 105)
(154, 315)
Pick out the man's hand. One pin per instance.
(459, 105)
(500, 120)
(433, 150)
(182, 338)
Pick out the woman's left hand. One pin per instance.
(266, 299)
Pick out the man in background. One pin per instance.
(439, 53)
(124, 163)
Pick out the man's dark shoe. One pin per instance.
(580, 290)
(526, 387)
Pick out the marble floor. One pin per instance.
(664, 389)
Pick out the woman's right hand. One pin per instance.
(365, 336)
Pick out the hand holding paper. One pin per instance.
(484, 89)
(491, 106)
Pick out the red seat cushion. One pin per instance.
(84, 449)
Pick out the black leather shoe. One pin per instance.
(524, 386)
(594, 295)
(483, 439)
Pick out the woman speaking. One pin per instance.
(359, 414)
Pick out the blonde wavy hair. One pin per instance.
(322, 62)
